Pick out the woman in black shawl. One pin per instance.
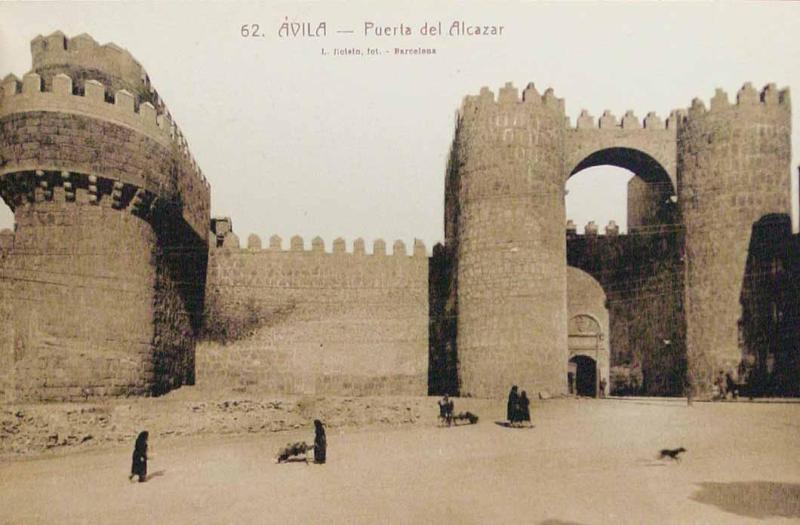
(320, 443)
(139, 463)
(524, 408)
(512, 410)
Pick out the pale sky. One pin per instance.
(294, 142)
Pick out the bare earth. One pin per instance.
(585, 462)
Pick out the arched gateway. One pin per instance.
(505, 215)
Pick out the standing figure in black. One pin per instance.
(446, 410)
(512, 411)
(139, 460)
(524, 408)
(730, 385)
(320, 443)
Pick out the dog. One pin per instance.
(674, 453)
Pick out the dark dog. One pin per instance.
(671, 453)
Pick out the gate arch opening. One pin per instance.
(648, 200)
(583, 376)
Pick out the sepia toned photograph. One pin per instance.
(399, 262)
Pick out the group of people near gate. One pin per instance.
(518, 411)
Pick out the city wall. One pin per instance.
(309, 321)
(642, 274)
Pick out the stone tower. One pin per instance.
(103, 288)
(710, 175)
(733, 169)
(508, 217)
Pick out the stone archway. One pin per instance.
(583, 370)
(585, 338)
(651, 198)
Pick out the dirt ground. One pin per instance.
(584, 462)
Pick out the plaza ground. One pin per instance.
(585, 462)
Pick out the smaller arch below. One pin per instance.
(587, 333)
(582, 376)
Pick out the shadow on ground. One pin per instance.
(506, 424)
(754, 499)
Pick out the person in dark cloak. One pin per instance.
(320, 442)
(512, 410)
(139, 460)
(446, 410)
(731, 386)
(524, 408)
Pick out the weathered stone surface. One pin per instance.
(734, 162)
(102, 291)
(507, 209)
(311, 322)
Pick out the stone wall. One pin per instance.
(646, 147)
(308, 321)
(649, 204)
(114, 136)
(103, 288)
(511, 260)
(734, 169)
(642, 276)
(80, 282)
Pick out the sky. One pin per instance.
(294, 141)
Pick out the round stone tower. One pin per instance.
(107, 269)
(507, 168)
(733, 169)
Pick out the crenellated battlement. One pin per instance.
(508, 97)
(230, 242)
(592, 230)
(120, 107)
(109, 63)
(629, 121)
(53, 47)
(769, 98)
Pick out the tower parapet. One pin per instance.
(83, 58)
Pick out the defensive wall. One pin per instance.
(310, 321)
(717, 171)
(103, 288)
(642, 274)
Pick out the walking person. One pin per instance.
(512, 409)
(320, 442)
(524, 409)
(139, 460)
